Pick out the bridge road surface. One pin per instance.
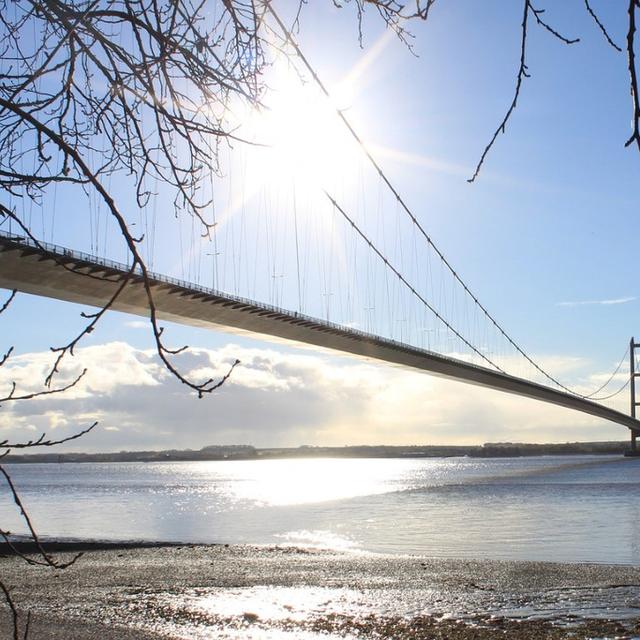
(60, 273)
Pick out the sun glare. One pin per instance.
(303, 136)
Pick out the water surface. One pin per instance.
(567, 509)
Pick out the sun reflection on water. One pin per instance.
(293, 482)
(258, 612)
(319, 539)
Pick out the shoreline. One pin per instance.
(56, 546)
(154, 590)
(244, 453)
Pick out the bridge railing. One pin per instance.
(81, 256)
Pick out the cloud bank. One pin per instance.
(272, 399)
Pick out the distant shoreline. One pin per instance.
(248, 452)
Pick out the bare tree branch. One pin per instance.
(41, 442)
(46, 558)
(522, 74)
(13, 396)
(601, 26)
(633, 75)
(537, 13)
(7, 302)
(74, 156)
(14, 611)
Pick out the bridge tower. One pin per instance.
(633, 345)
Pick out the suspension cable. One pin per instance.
(593, 393)
(615, 393)
(404, 281)
(407, 210)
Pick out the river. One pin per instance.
(555, 508)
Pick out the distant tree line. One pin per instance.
(247, 452)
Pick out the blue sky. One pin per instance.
(553, 216)
(546, 237)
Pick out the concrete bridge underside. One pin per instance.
(55, 272)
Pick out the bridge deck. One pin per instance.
(59, 273)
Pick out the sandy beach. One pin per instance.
(122, 592)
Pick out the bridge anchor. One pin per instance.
(633, 345)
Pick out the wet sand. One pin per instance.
(198, 592)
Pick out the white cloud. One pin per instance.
(56, 419)
(108, 367)
(612, 301)
(277, 399)
(137, 324)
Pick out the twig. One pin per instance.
(633, 76)
(522, 73)
(13, 609)
(37, 394)
(601, 26)
(5, 306)
(47, 559)
(41, 442)
(537, 13)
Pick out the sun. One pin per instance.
(300, 133)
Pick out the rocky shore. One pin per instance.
(122, 592)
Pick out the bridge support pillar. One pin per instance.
(633, 374)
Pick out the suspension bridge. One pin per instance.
(344, 266)
(48, 270)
